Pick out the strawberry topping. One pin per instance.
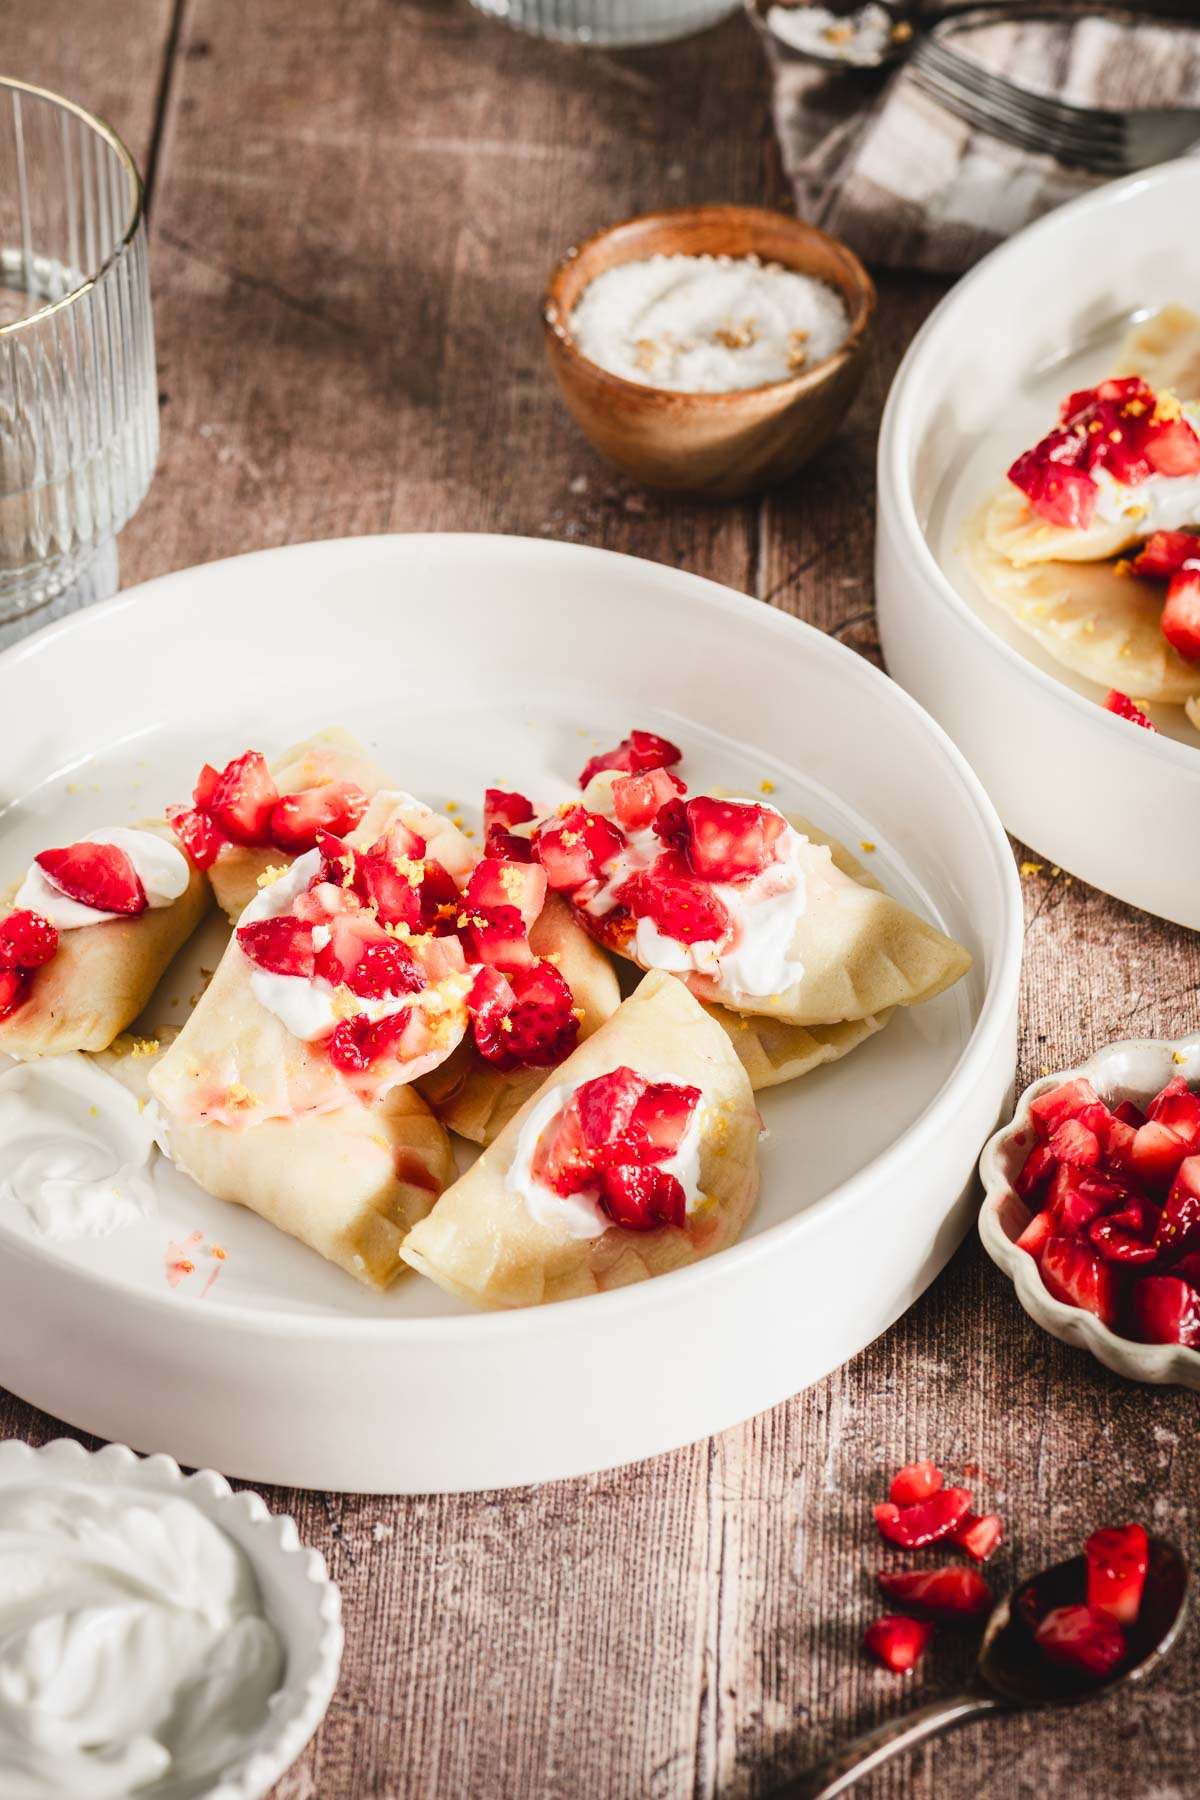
(27, 941)
(898, 1643)
(1181, 614)
(197, 833)
(525, 1017)
(297, 820)
(282, 946)
(98, 875)
(1125, 708)
(577, 846)
(723, 840)
(611, 1138)
(954, 1590)
(677, 903)
(383, 969)
(505, 809)
(1164, 553)
(1122, 426)
(242, 799)
(358, 1043)
(15, 985)
(637, 798)
(639, 751)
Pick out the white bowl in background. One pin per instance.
(1136, 1070)
(462, 661)
(298, 1597)
(982, 380)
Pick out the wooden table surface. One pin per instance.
(353, 205)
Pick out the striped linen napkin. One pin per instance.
(907, 185)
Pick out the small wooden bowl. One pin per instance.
(719, 446)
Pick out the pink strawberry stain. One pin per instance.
(179, 1263)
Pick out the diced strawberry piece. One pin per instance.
(577, 846)
(243, 799)
(914, 1526)
(897, 1642)
(730, 840)
(1073, 1273)
(498, 937)
(1117, 1560)
(382, 886)
(661, 1118)
(1180, 621)
(495, 883)
(505, 809)
(283, 945)
(357, 1043)
(606, 1105)
(1066, 1101)
(915, 1482)
(489, 1003)
(1124, 707)
(1129, 1114)
(676, 903)
(951, 1591)
(524, 1018)
(508, 846)
(96, 875)
(197, 833)
(1035, 1172)
(979, 1535)
(1037, 1233)
(1127, 1236)
(1058, 494)
(1164, 553)
(386, 968)
(1172, 448)
(1075, 1637)
(1166, 1310)
(204, 792)
(638, 798)
(1188, 1269)
(1076, 1197)
(641, 1198)
(639, 751)
(297, 820)
(1072, 1142)
(1155, 1154)
(15, 985)
(26, 940)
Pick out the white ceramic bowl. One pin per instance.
(980, 382)
(464, 660)
(1134, 1070)
(300, 1600)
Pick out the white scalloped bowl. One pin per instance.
(301, 1601)
(1132, 1070)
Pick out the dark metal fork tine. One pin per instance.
(1088, 124)
(1015, 127)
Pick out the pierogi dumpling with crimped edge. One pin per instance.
(236, 1063)
(332, 755)
(1165, 352)
(482, 1240)
(102, 975)
(476, 1099)
(350, 1184)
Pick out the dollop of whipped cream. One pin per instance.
(134, 1647)
(75, 1148)
(1160, 503)
(161, 868)
(309, 1008)
(581, 1215)
(754, 959)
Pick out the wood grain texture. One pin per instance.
(355, 210)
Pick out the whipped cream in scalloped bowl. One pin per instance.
(160, 865)
(159, 1634)
(581, 1215)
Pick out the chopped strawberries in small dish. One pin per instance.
(99, 875)
(1115, 1199)
(898, 1643)
(953, 1591)
(1125, 708)
(641, 750)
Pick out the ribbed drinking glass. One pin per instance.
(609, 23)
(78, 394)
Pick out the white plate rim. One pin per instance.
(896, 446)
(990, 1027)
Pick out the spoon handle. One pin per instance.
(849, 1765)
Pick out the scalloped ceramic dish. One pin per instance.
(300, 1600)
(1132, 1070)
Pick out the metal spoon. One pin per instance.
(1012, 1672)
(841, 16)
